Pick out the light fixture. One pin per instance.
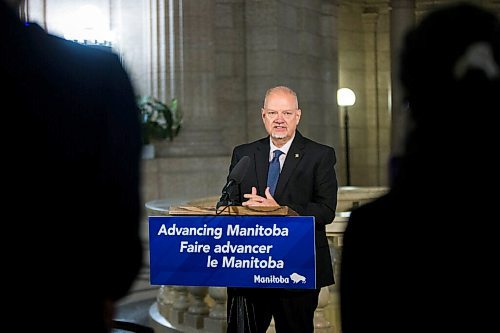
(346, 98)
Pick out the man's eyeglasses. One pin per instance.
(288, 114)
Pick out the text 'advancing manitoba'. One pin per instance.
(245, 251)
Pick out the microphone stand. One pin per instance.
(235, 177)
(225, 197)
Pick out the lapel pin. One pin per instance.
(296, 155)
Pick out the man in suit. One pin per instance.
(71, 146)
(307, 183)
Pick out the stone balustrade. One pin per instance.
(203, 309)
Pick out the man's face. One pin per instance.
(281, 116)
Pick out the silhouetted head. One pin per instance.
(451, 59)
(450, 71)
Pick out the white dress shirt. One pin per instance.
(284, 149)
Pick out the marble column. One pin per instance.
(182, 58)
(370, 22)
(330, 126)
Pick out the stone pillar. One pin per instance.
(329, 126)
(182, 41)
(321, 325)
(375, 145)
(334, 290)
(30, 11)
(231, 70)
(331, 310)
(216, 322)
(157, 44)
(198, 310)
(180, 305)
(351, 75)
(165, 300)
(372, 140)
(402, 18)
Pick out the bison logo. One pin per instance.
(297, 277)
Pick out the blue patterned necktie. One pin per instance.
(274, 171)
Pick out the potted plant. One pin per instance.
(159, 122)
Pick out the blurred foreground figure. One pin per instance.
(421, 258)
(71, 144)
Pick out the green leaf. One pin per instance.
(159, 121)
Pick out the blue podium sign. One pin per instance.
(233, 251)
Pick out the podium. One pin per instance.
(236, 246)
(224, 248)
(233, 210)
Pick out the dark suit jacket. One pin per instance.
(307, 184)
(71, 146)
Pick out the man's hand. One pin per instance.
(257, 200)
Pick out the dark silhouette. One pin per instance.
(307, 184)
(71, 149)
(421, 258)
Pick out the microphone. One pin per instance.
(235, 177)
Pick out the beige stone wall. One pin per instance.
(183, 179)
(293, 43)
